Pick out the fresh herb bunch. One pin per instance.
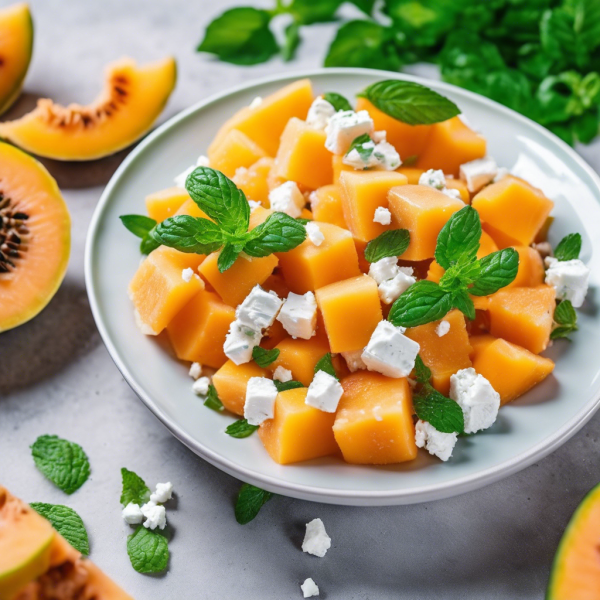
(539, 57)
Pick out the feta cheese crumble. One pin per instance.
(384, 269)
(240, 341)
(344, 127)
(187, 274)
(354, 360)
(259, 309)
(155, 515)
(314, 234)
(382, 215)
(569, 278)
(479, 401)
(390, 352)
(287, 198)
(391, 289)
(309, 588)
(298, 315)
(319, 113)
(201, 385)
(387, 156)
(324, 392)
(260, 400)
(443, 328)
(381, 156)
(254, 204)
(201, 162)
(195, 370)
(282, 374)
(379, 136)
(435, 442)
(162, 493)
(435, 178)
(316, 541)
(132, 514)
(256, 102)
(478, 173)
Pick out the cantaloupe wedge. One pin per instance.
(231, 381)
(165, 203)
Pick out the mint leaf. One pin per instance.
(283, 386)
(309, 11)
(228, 256)
(279, 233)
(459, 238)
(325, 364)
(441, 412)
(566, 318)
(67, 522)
(569, 247)
(462, 301)
(389, 244)
(64, 463)
(423, 302)
(134, 488)
(498, 269)
(461, 274)
(188, 234)
(360, 145)
(422, 371)
(212, 400)
(292, 41)
(148, 244)
(139, 225)
(263, 358)
(410, 102)
(338, 101)
(220, 199)
(148, 550)
(241, 429)
(249, 502)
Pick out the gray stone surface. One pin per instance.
(56, 377)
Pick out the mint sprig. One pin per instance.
(388, 244)
(459, 238)
(134, 489)
(283, 386)
(566, 319)
(249, 502)
(569, 247)
(148, 550)
(240, 429)
(141, 226)
(498, 269)
(422, 371)
(192, 235)
(67, 522)
(263, 357)
(212, 399)
(325, 363)
(279, 233)
(338, 101)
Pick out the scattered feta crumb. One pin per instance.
(344, 127)
(435, 442)
(479, 401)
(354, 360)
(478, 173)
(569, 278)
(309, 588)
(313, 199)
(143, 327)
(187, 274)
(282, 374)
(256, 102)
(390, 352)
(384, 269)
(260, 400)
(240, 341)
(132, 514)
(433, 178)
(201, 385)
(316, 541)
(163, 493)
(254, 204)
(259, 309)
(298, 315)
(382, 215)
(203, 161)
(443, 328)
(324, 392)
(155, 515)
(387, 156)
(195, 370)
(319, 113)
(314, 233)
(379, 136)
(381, 156)
(287, 198)
(451, 193)
(391, 289)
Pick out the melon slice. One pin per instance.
(35, 237)
(131, 101)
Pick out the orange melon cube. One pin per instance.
(523, 316)
(265, 123)
(300, 357)
(235, 150)
(308, 267)
(531, 271)
(165, 203)
(339, 167)
(198, 331)
(302, 156)
(158, 290)
(461, 186)
(253, 180)
(231, 381)
(444, 355)
(449, 145)
(510, 369)
(258, 216)
(479, 343)
(297, 431)
(423, 211)
(326, 204)
(373, 424)
(362, 192)
(351, 310)
(498, 204)
(191, 209)
(412, 174)
(236, 283)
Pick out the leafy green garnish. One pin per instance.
(249, 502)
(325, 364)
(423, 302)
(283, 386)
(212, 400)
(279, 233)
(263, 357)
(566, 319)
(459, 238)
(441, 412)
(292, 41)
(422, 371)
(134, 488)
(148, 550)
(569, 247)
(141, 226)
(388, 244)
(498, 269)
(67, 522)
(338, 101)
(240, 429)
(364, 145)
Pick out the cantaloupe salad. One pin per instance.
(413, 305)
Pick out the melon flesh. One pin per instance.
(165, 203)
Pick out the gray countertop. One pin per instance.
(57, 377)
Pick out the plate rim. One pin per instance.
(306, 492)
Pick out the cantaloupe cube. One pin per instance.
(362, 193)
(198, 331)
(191, 209)
(449, 145)
(374, 424)
(510, 369)
(308, 267)
(423, 211)
(301, 357)
(351, 310)
(297, 431)
(165, 203)
(158, 290)
(337, 162)
(409, 140)
(265, 123)
(444, 355)
(531, 271)
(412, 174)
(500, 203)
(479, 343)
(326, 204)
(236, 283)
(231, 381)
(235, 150)
(258, 216)
(302, 156)
(253, 180)
(523, 316)
(458, 184)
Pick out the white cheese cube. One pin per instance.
(260, 400)
(382, 215)
(240, 341)
(163, 493)
(344, 127)
(309, 588)
(379, 136)
(314, 234)
(569, 278)
(195, 370)
(443, 328)
(387, 156)
(382, 156)
(316, 541)
(259, 309)
(435, 442)
(319, 113)
(433, 178)
(391, 289)
(478, 173)
(287, 198)
(201, 385)
(155, 515)
(384, 269)
(298, 315)
(282, 374)
(390, 352)
(354, 360)
(256, 102)
(324, 392)
(132, 514)
(187, 274)
(479, 401)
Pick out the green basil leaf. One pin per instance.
(279, 233)
(148, 550)
(422, 371)
(134, 488)
(240, 429)
(292, 41)
(410, 102)
(338, 101)
(228, 256)
(459, 238)
(148, 243)
(440, 412)
(139, 225)
(389, 244)
(423, 302)
(366, 6)
(309, 11)
(263, 357)
(325, 364)
(569, 247)
(498, 269)
(67, 522)
(462, 301)
(188, 234)
(565, 314)
(249, 502)
(358, 144)
(212, 400)
(283, 386)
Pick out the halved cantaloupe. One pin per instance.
(130, 103)
(231, 381)
(16, 46)
(35, 237)
(165, 203)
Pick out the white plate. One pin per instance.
(526, 430)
